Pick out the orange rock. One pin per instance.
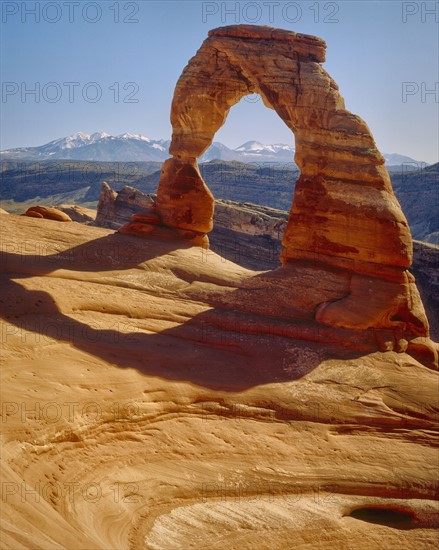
(183, 199)
(146, 217)
(48, 212)
(33, 214)
(344, 212)
(135, 228)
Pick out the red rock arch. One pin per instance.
(344, 212)
(344, 205)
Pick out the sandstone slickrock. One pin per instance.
(48, 212)
(344, 215)
(143, 408)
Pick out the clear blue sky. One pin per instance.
(373, 48)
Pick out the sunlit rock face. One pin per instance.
(144, 408)
(345, 220)
(47, 212)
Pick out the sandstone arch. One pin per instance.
(344, 212)
(344, 193)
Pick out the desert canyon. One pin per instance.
(158, 396)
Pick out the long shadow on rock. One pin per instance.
(201, 351)
(107, 253)
(251, 335)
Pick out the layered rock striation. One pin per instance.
(345, 219)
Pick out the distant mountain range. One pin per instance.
(104, 147)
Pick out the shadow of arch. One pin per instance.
(113, 251)
(251, 335)
(220, 349)
(231, 346)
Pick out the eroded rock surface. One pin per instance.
(116, 208)
(144, 408)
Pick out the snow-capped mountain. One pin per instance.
(254, 151)
(99, 146)
(219, 151)
(394, 159)
(127, 147)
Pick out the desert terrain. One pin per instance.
(141, 410)
(157, 396)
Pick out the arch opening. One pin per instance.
(264, 173)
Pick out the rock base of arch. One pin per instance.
(316, 301)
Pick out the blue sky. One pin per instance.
(134, 53)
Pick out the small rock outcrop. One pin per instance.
(116, 208)
(78, 213)
(48, 212)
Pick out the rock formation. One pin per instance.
(345, 218)
(48, 212)
(115, 209)
(249, 235)
(78, 213)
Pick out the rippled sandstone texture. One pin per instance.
(345, 219)
(144, 408)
